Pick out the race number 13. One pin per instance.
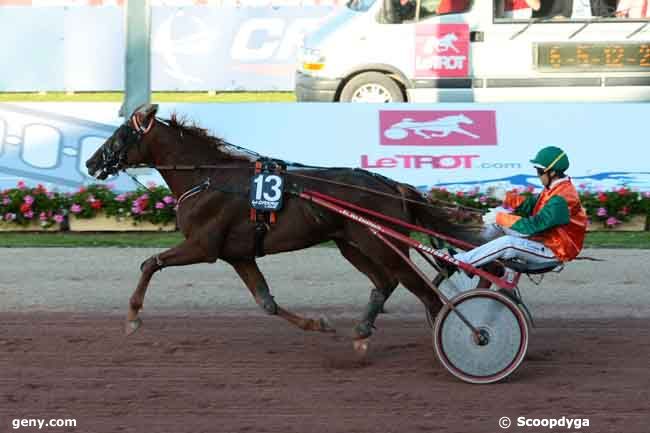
(266, 191)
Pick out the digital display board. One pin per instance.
(592, 56)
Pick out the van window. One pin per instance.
(403, 11)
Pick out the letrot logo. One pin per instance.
(437, 128)
(441, 50)
(201, 41)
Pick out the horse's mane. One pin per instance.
(191, 128)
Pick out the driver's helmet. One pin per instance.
(551, 158)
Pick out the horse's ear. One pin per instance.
(146, 110)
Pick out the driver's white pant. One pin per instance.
(508, 247)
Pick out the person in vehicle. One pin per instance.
(452, 7)
(603, 8)
(551, 8)
(633, 9)
(546, 228)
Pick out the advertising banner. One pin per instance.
(49, 143)
(193, 48)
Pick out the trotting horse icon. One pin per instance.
(437, 128)
(441, 45)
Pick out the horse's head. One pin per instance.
(461, 118)
(126, 147)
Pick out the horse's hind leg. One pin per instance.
(250, 273)
(383, 281)
(186, 253)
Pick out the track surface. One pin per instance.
(207, 360)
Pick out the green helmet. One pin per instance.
(551, 158)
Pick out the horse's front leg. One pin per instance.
(186, 253)
(250, 273)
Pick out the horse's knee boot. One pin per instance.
(374, 307)
(153, 264)
(266, 301)
(364, 329)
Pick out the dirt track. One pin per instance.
(207, 360)
(214, 374)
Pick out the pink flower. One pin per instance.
(121, 198)
(602, 212)
(42, 216)
(646, 194)
(75, 208)
(135, 209)
(160, 205)
(151, 184)
(6, 200)
(28, 199)
(21, 185)
(50, 195)
(29, 214)
(58, 218)
(168, 199)
(582, 186)
(611, 221)
(110, 186)
(483, 199)
(530, 188)
(10, 216)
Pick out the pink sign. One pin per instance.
(442, 50)
(437, 128)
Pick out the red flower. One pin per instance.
(96, 204)
(622, 191)
(460, 194)
(24, 208)
(625, 210)
(602, 197)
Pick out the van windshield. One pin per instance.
(360, 5)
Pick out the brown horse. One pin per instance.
(216, 224)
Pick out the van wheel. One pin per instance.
(373, 87)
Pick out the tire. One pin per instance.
(504, 349)
(373, 87)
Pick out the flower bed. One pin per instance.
(92, 208)
(99, 208)
(620, 209)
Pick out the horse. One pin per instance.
(213, 214)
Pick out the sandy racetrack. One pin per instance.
(229, 368)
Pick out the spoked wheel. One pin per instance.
(490, 357)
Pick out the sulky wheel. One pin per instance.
(499, 350)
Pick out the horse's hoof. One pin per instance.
(132, 326)
(361, 346)
(326, 325)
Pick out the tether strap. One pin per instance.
(192, 191)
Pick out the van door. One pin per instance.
(441, 68)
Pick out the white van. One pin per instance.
(373, 51)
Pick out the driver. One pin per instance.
(545, 228)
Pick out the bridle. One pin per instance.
(128, 134)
